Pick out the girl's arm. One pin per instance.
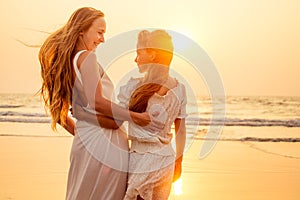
(180, 138)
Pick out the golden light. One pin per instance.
(184, 30)
(178, 187)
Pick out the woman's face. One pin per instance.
(143, 59)
(94, 35)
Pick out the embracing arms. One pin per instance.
(97, 119)
(103, 121)
(110, 115)
(92, 87)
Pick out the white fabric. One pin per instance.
(152, 157)
(78, 75)
(171, 106)
(99, 157)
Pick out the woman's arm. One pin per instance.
(180, 138)
(105, 122)
(92, 87)
(70, 126)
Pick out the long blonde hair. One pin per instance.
(158, 71)
(55, 58)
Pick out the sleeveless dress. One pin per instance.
(99, 156)
(152, 157)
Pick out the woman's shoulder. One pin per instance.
(84, 56)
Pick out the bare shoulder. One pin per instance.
(84, 56)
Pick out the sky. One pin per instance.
(254, 44)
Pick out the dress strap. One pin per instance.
(77, 72)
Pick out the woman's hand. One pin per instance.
(148, 122)
(141, 119)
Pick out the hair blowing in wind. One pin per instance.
(55, 58)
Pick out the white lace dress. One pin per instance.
(151, 160)
(99, 156)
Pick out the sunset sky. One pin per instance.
(254, 44)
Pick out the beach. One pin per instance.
(244, 170)
(33, 167)
(36, 166)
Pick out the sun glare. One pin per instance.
(185, 31)
(178, 187)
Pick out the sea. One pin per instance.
(238, 111)
(270, 124)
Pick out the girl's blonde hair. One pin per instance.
(158, 71)
(55, 56)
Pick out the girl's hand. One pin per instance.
(177, 169)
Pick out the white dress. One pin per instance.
(99, 156)
(151, 162)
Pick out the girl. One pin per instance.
(152, 159)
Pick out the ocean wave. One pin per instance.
(22, 114)
(251, 139)
(244, 122)
(26, 120)
(243, 139)
(11, 106)
(255, 139)
(40, 117)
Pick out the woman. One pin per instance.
(71, 74)
(152, 159)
